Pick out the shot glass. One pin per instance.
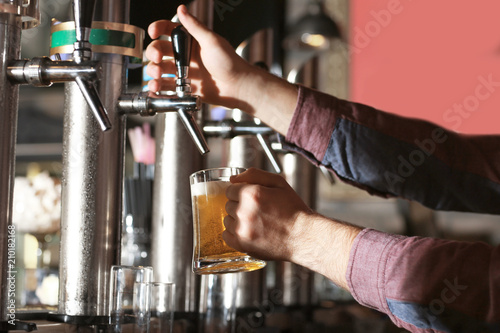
(218, 302)
(162, 307)
(129, 297)
(141, 308)
(211, 255)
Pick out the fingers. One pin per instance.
(157, 49)
(259, 177)
(198, 30)
(231, 207)
(233, 192)
(229, 234)
(159, 28)
(156, 70)
(161, 85)
(231, 240)
(230, 224)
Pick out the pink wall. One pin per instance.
(432, 59)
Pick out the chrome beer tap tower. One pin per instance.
(93, 147)
(96, 107)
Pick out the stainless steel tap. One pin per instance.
(184, 103)
(43, 71)
(230, 128)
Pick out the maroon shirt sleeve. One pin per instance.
(389, 155)
(427, 285)
(423, 284)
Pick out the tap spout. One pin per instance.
(43, 71)
(194, 130)
(148, 104)
(91, 95)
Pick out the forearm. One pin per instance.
(324, 246)
(269, 98)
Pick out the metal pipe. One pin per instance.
(147, 104)
(245, 151)
(296, 282)
(10, 48)
(93, 164)
(172, 234)
(230, 128)
(43, 71)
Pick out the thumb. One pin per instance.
(259, 177)
(198, 30)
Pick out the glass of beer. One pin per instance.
(211, 255)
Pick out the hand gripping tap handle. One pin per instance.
(181, 43)
(84, 12)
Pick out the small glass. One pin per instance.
(162, 307)
(218, 302)
(211, 255)
(129, 297)
(141, 309)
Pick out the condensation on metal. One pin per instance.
(92, 186)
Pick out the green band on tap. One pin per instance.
(97, 37)
(105, 37)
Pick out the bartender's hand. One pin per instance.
(264, 215)
(219, 76)
(268, 220)
(216, 71)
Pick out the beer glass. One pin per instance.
(211, 255)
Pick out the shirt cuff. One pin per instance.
(367, 267)
(313, 122)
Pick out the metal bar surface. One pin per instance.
(93, 166)
(172, 223)
(172, 231)
(245, 151)
(296, 282)
(10, 48)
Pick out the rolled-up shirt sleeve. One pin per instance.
(389, 155)
(425, 284)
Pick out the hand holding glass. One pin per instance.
(211, 254)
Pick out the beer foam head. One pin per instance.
(208, 188)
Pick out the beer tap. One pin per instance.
(229, 128)
(43, 71)
(184, 103)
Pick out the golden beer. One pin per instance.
(211, 254)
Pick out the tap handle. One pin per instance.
(194, 130)
(83, 11)
(181, 43)
(90, 93)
